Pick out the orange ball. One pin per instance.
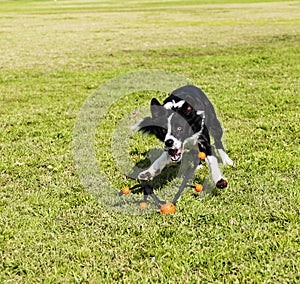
(168, 208)
(126, 190)
(143, 205)
(201, 156)
(198, 187)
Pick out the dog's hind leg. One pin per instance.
(216, 131)
(225, 159)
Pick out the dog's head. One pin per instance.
(171, 125)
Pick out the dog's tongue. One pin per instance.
(175, 153)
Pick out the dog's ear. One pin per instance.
(157, 109)
(187, 109)
(155, 102)
(188, 106)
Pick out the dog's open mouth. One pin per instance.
(175, 154)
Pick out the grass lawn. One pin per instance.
(55, 54)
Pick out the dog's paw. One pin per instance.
(145, 175)
(222, 183)
(225, 159)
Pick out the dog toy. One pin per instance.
(201, 156)
(143, 205)
(166, 207)
(126, 190)
(198, 187)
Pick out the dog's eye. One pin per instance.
(179, 129)
(164, 131)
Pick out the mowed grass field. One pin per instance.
(54, 54)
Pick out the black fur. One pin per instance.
(186, 114)
(195, 100)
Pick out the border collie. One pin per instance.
(186, 115)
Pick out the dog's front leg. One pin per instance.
(156, 167)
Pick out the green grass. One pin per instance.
(54, 55)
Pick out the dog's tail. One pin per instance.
(143, 125)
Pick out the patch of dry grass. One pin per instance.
(55, 40)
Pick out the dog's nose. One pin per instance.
(169, 143)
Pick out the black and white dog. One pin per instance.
(186, 115)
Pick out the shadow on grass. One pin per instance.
(173, 174)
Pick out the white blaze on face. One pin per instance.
(168, 135)
(176, 150)
(177, 144)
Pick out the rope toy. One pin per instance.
(165, 207)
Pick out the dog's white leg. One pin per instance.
(216, 174)
(225, 159)
(214, 168)
(156, 167)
